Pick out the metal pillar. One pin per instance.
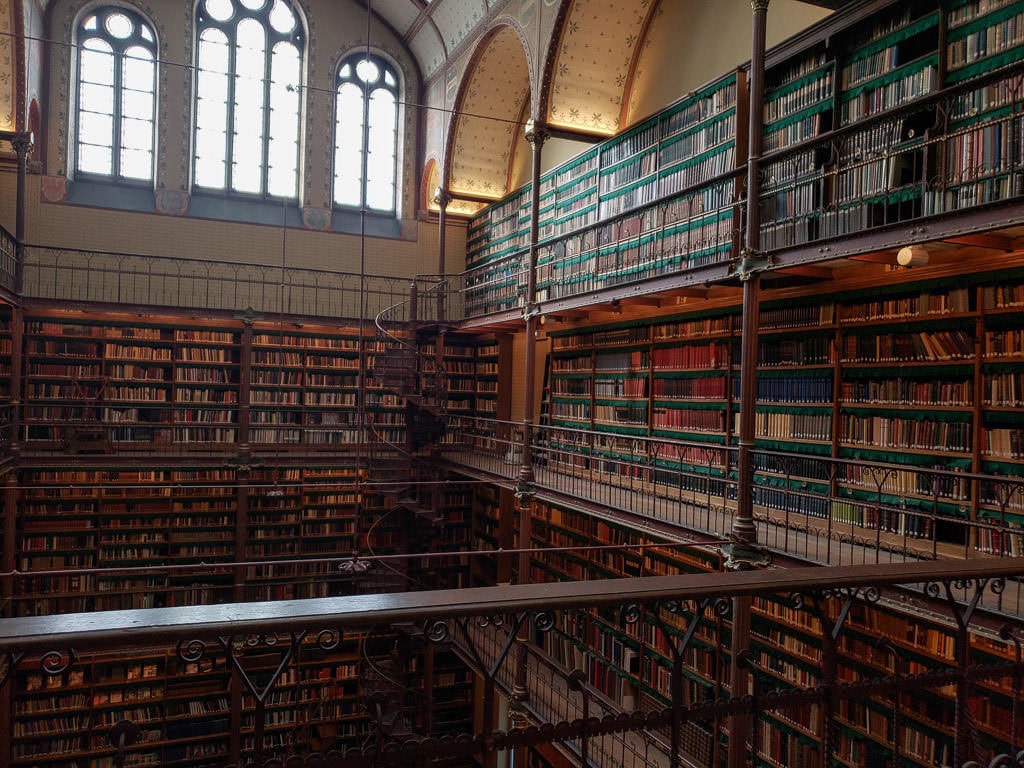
(743, 553)
(536, 135)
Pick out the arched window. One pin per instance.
(248, 84)
(367, 87)
(115, 99)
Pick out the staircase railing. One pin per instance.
(404, 369)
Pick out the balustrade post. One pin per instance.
(520, 694)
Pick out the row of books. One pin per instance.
(915, 433)
(789, 101)
(1001, 36)
(907, 88)
(926, 303)
(781, 425)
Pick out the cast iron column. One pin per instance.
(750, 264)
(536, 135)
(743, 552)
(525, 489)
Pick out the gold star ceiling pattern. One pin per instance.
(592, 63)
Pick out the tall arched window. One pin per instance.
(367, 87)
(248, 84)
(116, 86)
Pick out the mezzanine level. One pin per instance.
(500, 633)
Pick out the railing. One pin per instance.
(687, 231)
(267, 650)
(925, 159)
(936, 155)
(74, 275)
(494, 287)
(826, 510)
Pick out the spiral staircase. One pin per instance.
(404, 471)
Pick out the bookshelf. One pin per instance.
(921, 373)
(909, 111)
(651, 168)
(891, 58)
(631, 662)
(799, 105)
(982, 35)
(117, 518)
(94, 385)
(452, 532)
(569, 196)
(499, 230)
(100, 383)
(103, 517)
(183, 707)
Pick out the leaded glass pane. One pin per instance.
(136, 164)
(119, 26)
(138, 70)
(369, 150)
(93, 159)
(221, 10)
(282, 19)
(252, 88)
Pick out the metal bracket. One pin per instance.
(530, 311)
(749, 263)
(524, 490)
(743, 556)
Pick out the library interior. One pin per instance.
(512, 383)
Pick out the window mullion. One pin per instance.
(365, 186)
(229, 133)
(115, 149)
(268, 72)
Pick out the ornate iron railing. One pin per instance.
(504, 635)
(946, 153)
(76, 275)
(827, 510)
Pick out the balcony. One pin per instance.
(652, 637)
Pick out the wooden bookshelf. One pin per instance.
(631, 662)
(923, 373)
(99, 383)
(870, 122)
(183, 708)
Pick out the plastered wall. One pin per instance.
(336, 27)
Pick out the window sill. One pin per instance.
(211, 206)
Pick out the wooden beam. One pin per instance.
(878, 257)
(803, 270)
(642, 301)
(570, 314)
(690, 293)
(994, 242)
